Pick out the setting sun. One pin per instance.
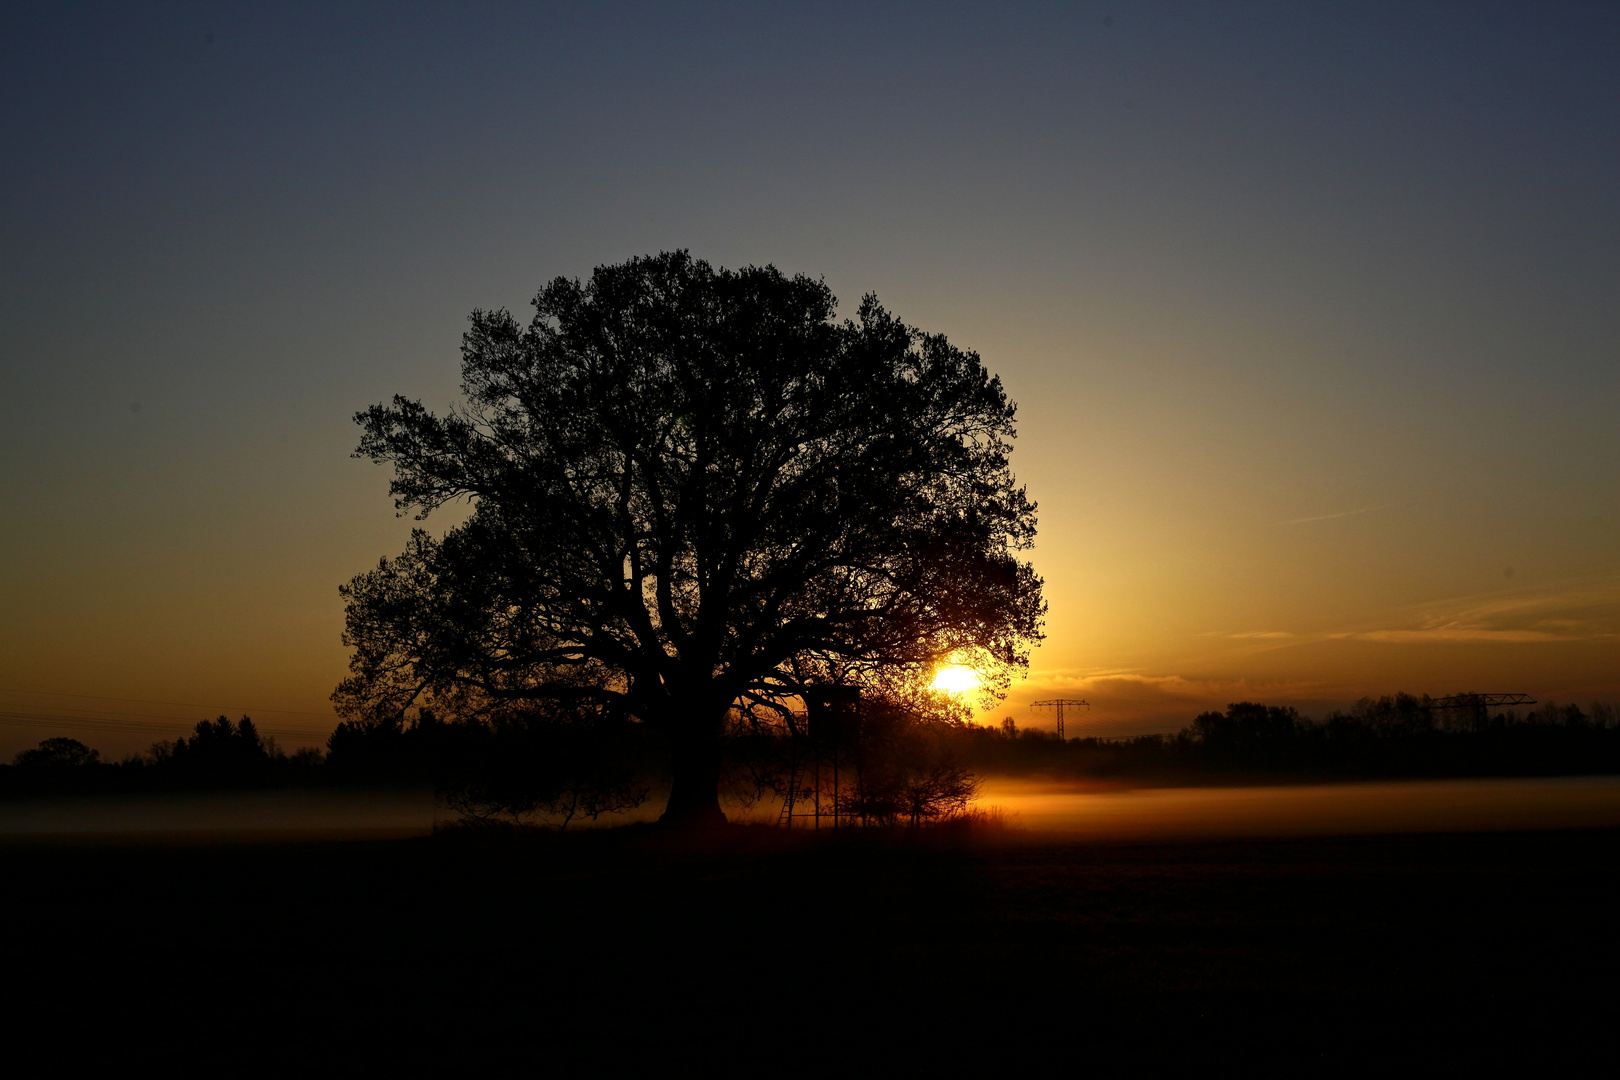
(956, 679)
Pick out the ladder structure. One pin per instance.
(832, 720)
(795, 767)
(1060, 704)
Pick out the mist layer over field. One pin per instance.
(1092, 811)
(1413, 806)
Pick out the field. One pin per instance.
(791, 952)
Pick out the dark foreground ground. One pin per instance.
(763, 953)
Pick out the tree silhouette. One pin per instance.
(905, 769)
(222, 751)
(58, 753)
(694, 489)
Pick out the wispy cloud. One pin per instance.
(1142, 699)
(1340, 514)
(1454, 635)
(1588, 612)
(1576, 611)
(1137, 690)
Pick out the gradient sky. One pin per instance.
(1312, 311)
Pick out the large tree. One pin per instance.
(692, 490)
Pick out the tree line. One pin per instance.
(889, 762)
(1400, 735)
(544, 764)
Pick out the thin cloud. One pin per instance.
(1144, 688)
(1068, 675)
(1245, 635)
(1569, 612)
(1583, 613)
(1340, 514)
(1449, 635)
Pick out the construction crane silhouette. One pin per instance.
(1059, 704)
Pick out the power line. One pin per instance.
(9, 718)
(1061, 704)
(1129, 737)
(1478, 701)
(48, 711)
(149, 701)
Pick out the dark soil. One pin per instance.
(764, 951)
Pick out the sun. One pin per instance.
(956, 679)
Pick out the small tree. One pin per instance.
(56, 754)
(694, 489)
(905, 767)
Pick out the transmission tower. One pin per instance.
(1060, 704)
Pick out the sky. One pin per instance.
(1312, 313)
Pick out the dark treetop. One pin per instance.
(693, 489)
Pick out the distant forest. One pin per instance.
(570, 768)
(1394, 736)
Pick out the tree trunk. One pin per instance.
(694, 796)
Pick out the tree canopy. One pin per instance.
(692, 490)
(58, 753)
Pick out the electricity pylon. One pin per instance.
(1059, 704)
